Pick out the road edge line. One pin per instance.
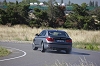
(15, 57)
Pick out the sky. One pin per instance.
(65, 1)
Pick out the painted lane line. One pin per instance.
(15, 57)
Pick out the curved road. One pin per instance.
(23, 55)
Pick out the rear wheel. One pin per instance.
(33, 47)
(58, 50)
(68, 51)
(42, 47)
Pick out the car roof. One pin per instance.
(54, 30)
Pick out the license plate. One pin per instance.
(60, 40)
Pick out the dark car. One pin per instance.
(52, 39)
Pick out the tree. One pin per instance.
(16, 2)
(90, 4)
(96, 4)
(41, 18)
(56, 14)
(29, 1)
(93, 3)
(45, 3)
(80, 10)
(5, 2)
(80, 18)
(69, 3)
(98, 13)
(10, 3)
(14, 14)
(33, 1)
(3, 17)
(51, 13)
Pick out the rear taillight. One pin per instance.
(68, 40)
(50, 39)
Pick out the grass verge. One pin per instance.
(82, 62)
(4, 52)
(87, 45)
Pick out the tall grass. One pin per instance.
(82, 62)
(81, 38)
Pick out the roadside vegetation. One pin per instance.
(4, 52)
(82, 62)
(84, 39)
(80, 17)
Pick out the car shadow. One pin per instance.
(63, 52)
(55, 52)
(79, 53)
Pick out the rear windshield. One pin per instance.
(57, 33)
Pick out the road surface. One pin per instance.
(23, 55)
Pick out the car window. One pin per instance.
(57, 33)
(43, 33)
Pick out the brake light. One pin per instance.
(50, 39)
(68, 40)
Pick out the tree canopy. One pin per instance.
(54, 16)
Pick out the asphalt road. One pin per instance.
(23, 55)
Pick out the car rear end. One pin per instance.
(56, 42)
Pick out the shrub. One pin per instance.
(4, 51)
(92, 47)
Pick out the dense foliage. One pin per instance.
(80, 18)
(14, 14)
(40, 20)
(56, 14)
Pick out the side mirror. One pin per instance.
(37, 34)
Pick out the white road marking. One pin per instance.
(15, 57)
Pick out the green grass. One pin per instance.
(4, 52)
(87, 45)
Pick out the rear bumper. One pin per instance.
(57, 46)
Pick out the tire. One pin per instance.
(33, 47)
(42, 47)
(68, 51)
(58, 50)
